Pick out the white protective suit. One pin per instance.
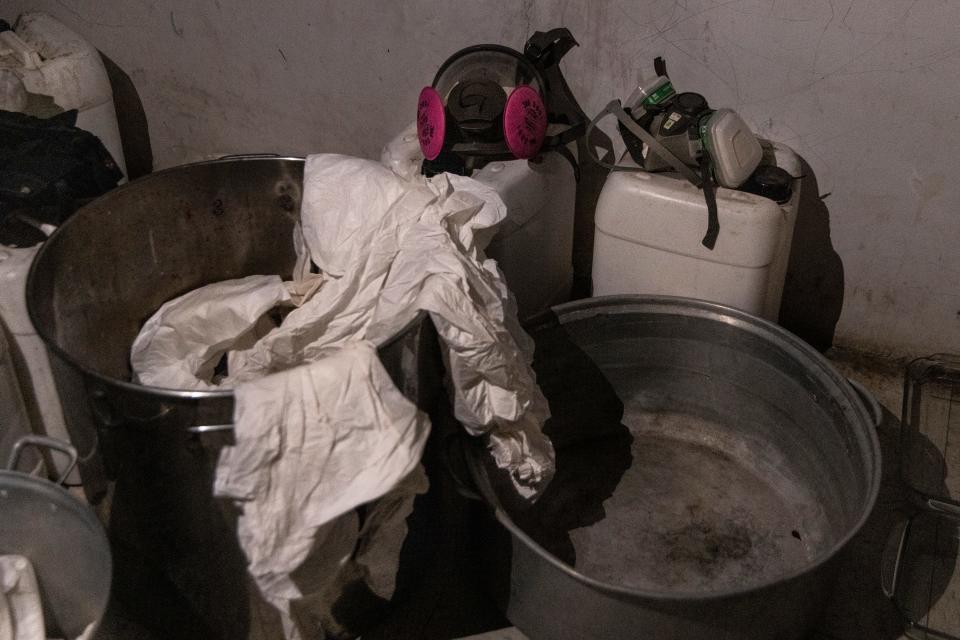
(319, 426)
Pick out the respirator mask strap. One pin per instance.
(614, 108)
(703, 181)
(545, 49)
(710, 195)
(558, 144)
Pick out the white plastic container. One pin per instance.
(648, 232)
(46, 68)
(534, 245)
(49, 59)
(14, 421)
(28, 355)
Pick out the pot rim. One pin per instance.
(619, 304)
(163, 392)
(49, 490)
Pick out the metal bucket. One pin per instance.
(62, 539)
(91, 287)
(710, 468)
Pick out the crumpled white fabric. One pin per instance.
(414, 244)
(352, 554)
(21, 606)
(345, 436)
(352, 229)
(181, 344)
(387, 246)
(441, 268)
(21, 613)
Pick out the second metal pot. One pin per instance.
(711, 467)
(62, 539)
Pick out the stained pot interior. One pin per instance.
(695, 454)
(115, 261)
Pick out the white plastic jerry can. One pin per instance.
(45, 69)
(649, 228)
(43, 57)
(534, 244)
(33, 365)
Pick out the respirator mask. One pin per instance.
(668, 131)
(489, 102)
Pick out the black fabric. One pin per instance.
(660, 67)
(446, 162)
(48, 169)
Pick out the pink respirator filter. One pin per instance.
(431, 122)
(524, 122)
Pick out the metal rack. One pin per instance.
(922, 577)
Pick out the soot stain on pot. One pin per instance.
(286, 202)
(706, 545)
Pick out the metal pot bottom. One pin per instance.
(690, 515)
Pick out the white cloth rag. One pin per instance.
(21, 607)
(314, 442)
(182, 343)
(21, 614)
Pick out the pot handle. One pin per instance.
(209, 428)
(49, 443)
(890, 567)
(873, 405)
(105, 413)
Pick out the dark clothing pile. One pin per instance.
(48, 169)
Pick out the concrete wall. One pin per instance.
(867, 91)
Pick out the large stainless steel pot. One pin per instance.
(711, 468)
(180, 569)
